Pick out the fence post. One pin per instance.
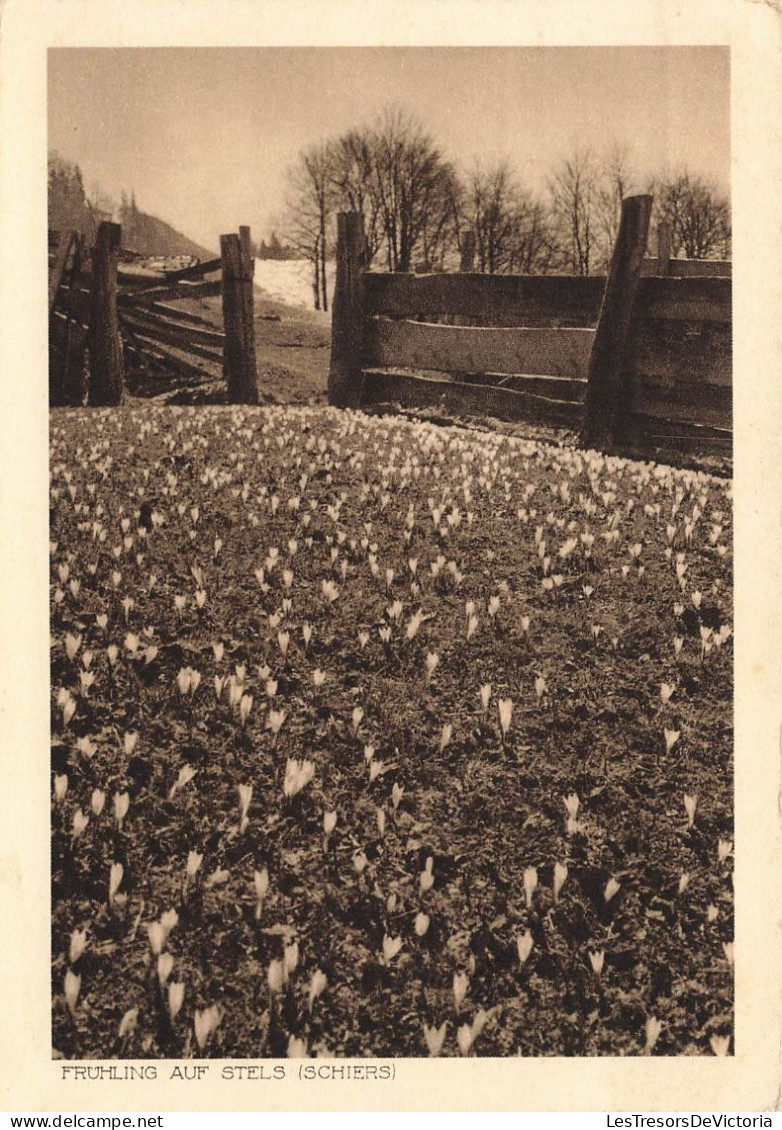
(246, 242)
(57, 269)
(345, 385)
(105, 345)
(663, 246)
(467, 261)
(608, 392)
(239, 367)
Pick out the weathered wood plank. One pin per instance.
(497, 300)
(67, 334)
(348, 312)
(664, 243)
(158, 336)
(212, 288)
(477, 349)
(195, 272)
(546, 299)
(685, 300)
(458, 398)
(106, 368)
(610, 392)
(75, 302)
(688, 268)
(467, 259)
(709, 407)
(59, 264)
(61, 317)
(551, 388)
(139, 274)
(694, 353)
(175, 332)
(239, 363)
(653, 429)
(167, 310)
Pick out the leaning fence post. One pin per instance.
(105, 345)
(607, 397)
(345, 385)
(239, 367)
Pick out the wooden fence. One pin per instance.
(135, 333)
(639, 361)
(69, 318)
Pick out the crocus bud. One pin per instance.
(72, 989)
(318, 983)
(77, 946)
(435, 1037)
(275, 976)
(165, 965)
(524, 946)
(176, 996)
(461, 984)
(421, 924)
(194, 859)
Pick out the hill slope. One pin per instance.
(69, 208)
(151, 236)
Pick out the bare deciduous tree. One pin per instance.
(353, 182)
(309, 210)
(697, 214)
(511, 228)
(573, 191)
(616, 181)
(412, 185)
(100, 205)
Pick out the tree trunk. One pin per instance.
(324, 291)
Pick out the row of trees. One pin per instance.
(418, 208)
(70, 207)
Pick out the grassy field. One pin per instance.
(377, 738)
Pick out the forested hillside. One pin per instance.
(72, 207)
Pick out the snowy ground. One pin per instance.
(290, 281)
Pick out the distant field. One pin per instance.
(290, 280)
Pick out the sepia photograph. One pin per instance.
(391, 552)
(390, 556)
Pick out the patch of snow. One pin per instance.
(290, 281)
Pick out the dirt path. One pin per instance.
(291, 348)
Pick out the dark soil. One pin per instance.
(173, 531)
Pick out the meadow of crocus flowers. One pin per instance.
(374, 738)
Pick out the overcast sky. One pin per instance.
(204, 136)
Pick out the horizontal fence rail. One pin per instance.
(460, 398)
(478, 349)
(520, 347)
(156, 339)
(687, 268)
(498, 300)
